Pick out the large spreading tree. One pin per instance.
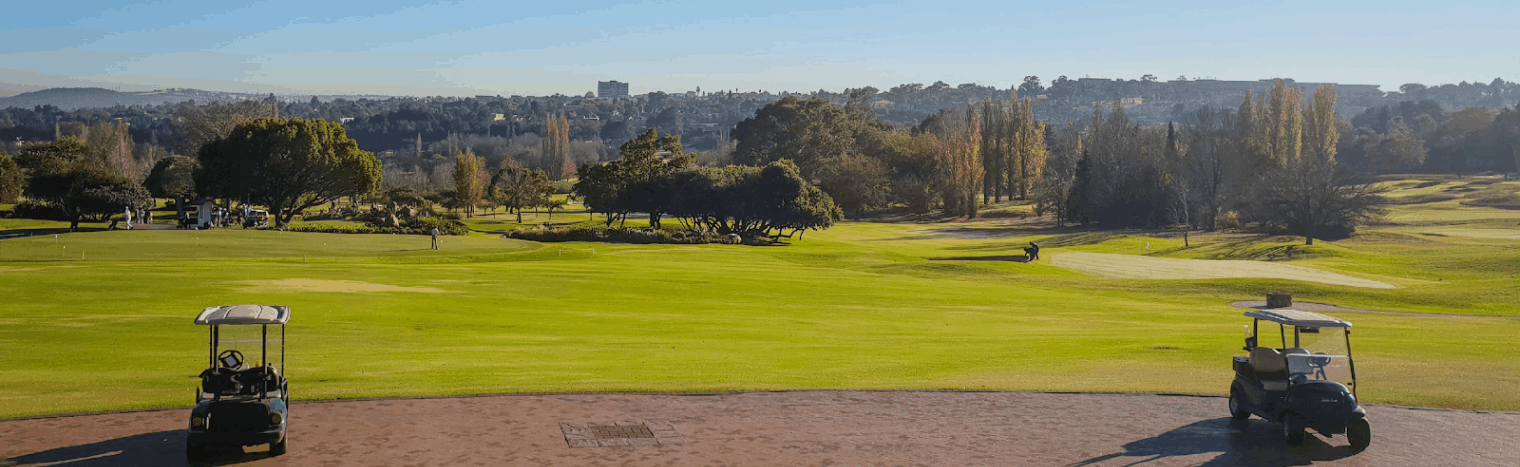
(288, 165)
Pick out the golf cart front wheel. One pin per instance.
(277, 448)
(1238, 405)
(1359, 433)
(194, 450)
(1293, 430)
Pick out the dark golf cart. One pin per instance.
(239, 404)
(1308, 385)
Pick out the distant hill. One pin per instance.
(84, 98)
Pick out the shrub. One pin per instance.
(1228, 220)
(593, 232)
(422, 226)
(445, 226)
(35, 210)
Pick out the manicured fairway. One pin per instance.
(863, 305)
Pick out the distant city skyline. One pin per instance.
(472, 48)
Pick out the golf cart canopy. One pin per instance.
(243, 314)
(1299, 318)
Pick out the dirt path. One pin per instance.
(797, 428)
(1149, 267)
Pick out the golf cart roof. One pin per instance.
(1300, 318)
(243, 314)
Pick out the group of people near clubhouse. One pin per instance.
(143, 216)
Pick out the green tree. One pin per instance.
(50, 167)
(12, 181)
(98, 193)
(857, 183)
(1399, 149)
(637, 182)
(173, 177)
(518, 188)
(288, 165)
(804, 131)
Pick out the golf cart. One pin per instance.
(239, 404)
(256, 218)
(1304, 385)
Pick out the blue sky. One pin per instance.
(495, 47)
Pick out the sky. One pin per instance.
(497, 47)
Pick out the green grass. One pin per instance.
(863, 305)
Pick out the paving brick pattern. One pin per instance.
(794, 428)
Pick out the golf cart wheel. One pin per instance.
(277, 448)
(194, 450)
(1293, 430)
(1238, 408)
(1359, 432)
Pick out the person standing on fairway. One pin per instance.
(435, 238)
(127, 213)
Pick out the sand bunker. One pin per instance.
(319, 285)
(1146, 267)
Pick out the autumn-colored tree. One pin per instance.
(111, 149)
(1320, 133)
(554, 147)
(960, 167)
(1029, 149)
(1284, 124)
(200, 124)
(470, 180)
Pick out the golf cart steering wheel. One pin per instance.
(230, 359)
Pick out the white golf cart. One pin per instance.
(238, 404)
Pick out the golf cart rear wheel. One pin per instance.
(1359, 433)
(1293, 430)
(277, 448)
(1238, 408)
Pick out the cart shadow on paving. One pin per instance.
(1238, 442)
(163, 448)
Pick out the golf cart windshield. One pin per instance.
(1322, 355)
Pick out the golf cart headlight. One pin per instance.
(197, 422)
(275, 418)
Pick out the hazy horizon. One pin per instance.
(469, 48)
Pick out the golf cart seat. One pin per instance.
(1270, 367)
(245, 382)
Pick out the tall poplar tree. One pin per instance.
(470, 180)
(554, 147)
(1320, 133)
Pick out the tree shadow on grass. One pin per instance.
(23, 233)
(1239, 443)
(1013, 258)
(163, 448)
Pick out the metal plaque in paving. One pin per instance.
(624, 433)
